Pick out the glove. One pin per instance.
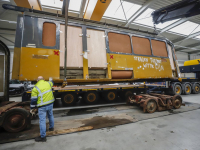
(32, 112)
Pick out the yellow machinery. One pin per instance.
(35, 4)
(95, 9)
(192, 62)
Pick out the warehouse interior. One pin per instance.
(169, 129)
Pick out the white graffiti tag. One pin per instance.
(150, 63)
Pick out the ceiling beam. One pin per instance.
(193, 52)
(7, 29)
(139, 12)
(83, 3)
(188, 37)
(2, 13)
(173, 25)
(188, 47)
(95, 9)
(7, 33)
(29, 4)
(7, 39)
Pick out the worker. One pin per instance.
(42, 98)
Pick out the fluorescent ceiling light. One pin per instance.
(8, 21)
(5, 0)
(73, 4)
(198, 37)
(53, 3)
(115, 10)
(186, 28)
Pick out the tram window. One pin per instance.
(141, 45)
(49, 34)
(159, 48)
(119, 43)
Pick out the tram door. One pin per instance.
(97, 49)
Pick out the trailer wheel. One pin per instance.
(177, 89)
(125, 94)
(177, 101)
(187, 89)
(91, 97)
(16, 120)
(110, 96)
(196, 88)
(151, 106)
(69, 99)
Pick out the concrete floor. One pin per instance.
(174, 132)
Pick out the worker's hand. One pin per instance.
(32, 112)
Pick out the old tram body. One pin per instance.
(94, 53)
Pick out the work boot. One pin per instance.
(51, 129)
(39, 139)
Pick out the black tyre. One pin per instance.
(187, 89)
(125, 94)
(151, 106)
(16, 120)
(177, 89)
(69, 99)
(110, 96)
(177, 101)
(195, 88)
(91, 97)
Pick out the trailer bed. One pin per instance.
(103, 87)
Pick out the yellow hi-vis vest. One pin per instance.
(43, 92)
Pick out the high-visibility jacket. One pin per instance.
(42, 94)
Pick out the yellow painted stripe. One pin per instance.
(85, 68)
(109, 88)
(89, 89)
(65, 90)
(128, 87)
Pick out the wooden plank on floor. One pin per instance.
(69, 126)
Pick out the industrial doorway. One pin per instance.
(4, 72)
